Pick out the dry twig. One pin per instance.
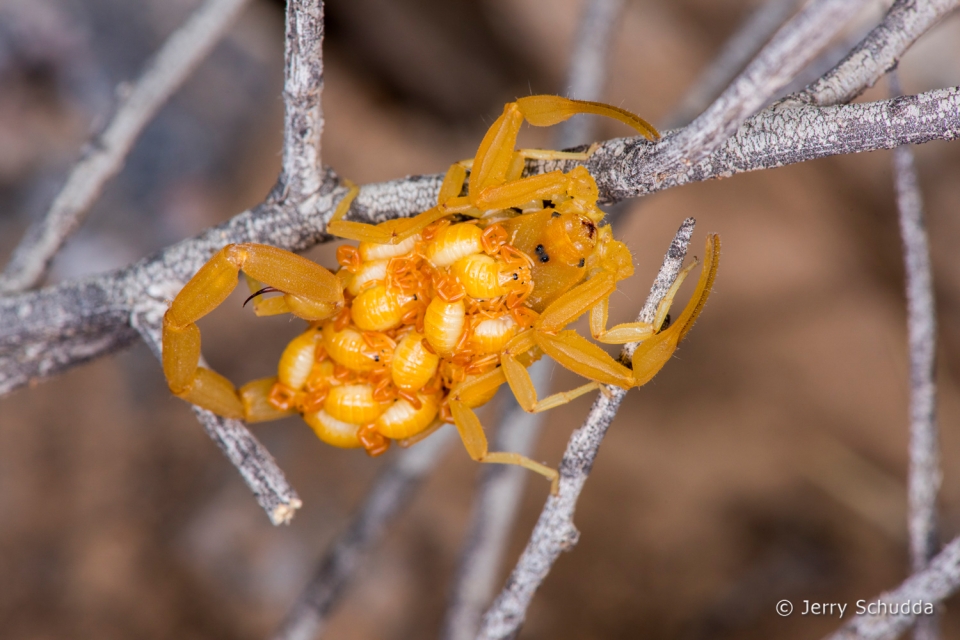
(254, 462)
(302, 174)
(924, 475)
(105, 155)
(877, 54)
(555, 531)
(789, 51)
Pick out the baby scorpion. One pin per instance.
(428, 316)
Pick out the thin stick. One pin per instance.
(555, 531)
(924, 475)
(733, 57)
(779, 136)
(883, 618)
(878, 53)
(391, 493)
(788, 52)
(302, 173)
(105, 155)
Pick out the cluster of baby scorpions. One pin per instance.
(428, 316)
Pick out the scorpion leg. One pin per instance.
(472, 393)
(396, 231)
(526, 394)
(652, 354)
(519, 380)
(310, 291)
(576, 353)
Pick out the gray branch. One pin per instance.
(302, 172)
(932, 585)
(788, 52)
(924, 475)
(105, 155)
(733, 57)
(782, 135)
(877, 54)
(555, 531)
(389, 496)
(48, 331)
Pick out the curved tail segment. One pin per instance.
(545, 111)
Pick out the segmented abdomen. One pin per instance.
(443, 324)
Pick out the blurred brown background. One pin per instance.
(767, 461)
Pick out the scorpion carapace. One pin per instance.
(428, 316)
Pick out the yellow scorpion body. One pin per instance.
(428, 316)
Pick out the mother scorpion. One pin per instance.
(429, 315)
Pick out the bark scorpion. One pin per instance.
(428, 316)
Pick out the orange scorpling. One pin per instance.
(428, 316)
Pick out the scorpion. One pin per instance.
(428, 316)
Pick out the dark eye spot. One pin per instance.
(548, 204)
(555, 214)
(415, 297)
(583, 261)
(542, 254)
(376, 358)
(591, 228)
(516, 277)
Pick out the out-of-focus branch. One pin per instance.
(105, 155)
(877, 54)
(924, 475)
(389, 496)
(791, 48)
(302, 172)
(588, 66)
(933, 585)
(733, 57)
(555, 531)
(494, 512)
